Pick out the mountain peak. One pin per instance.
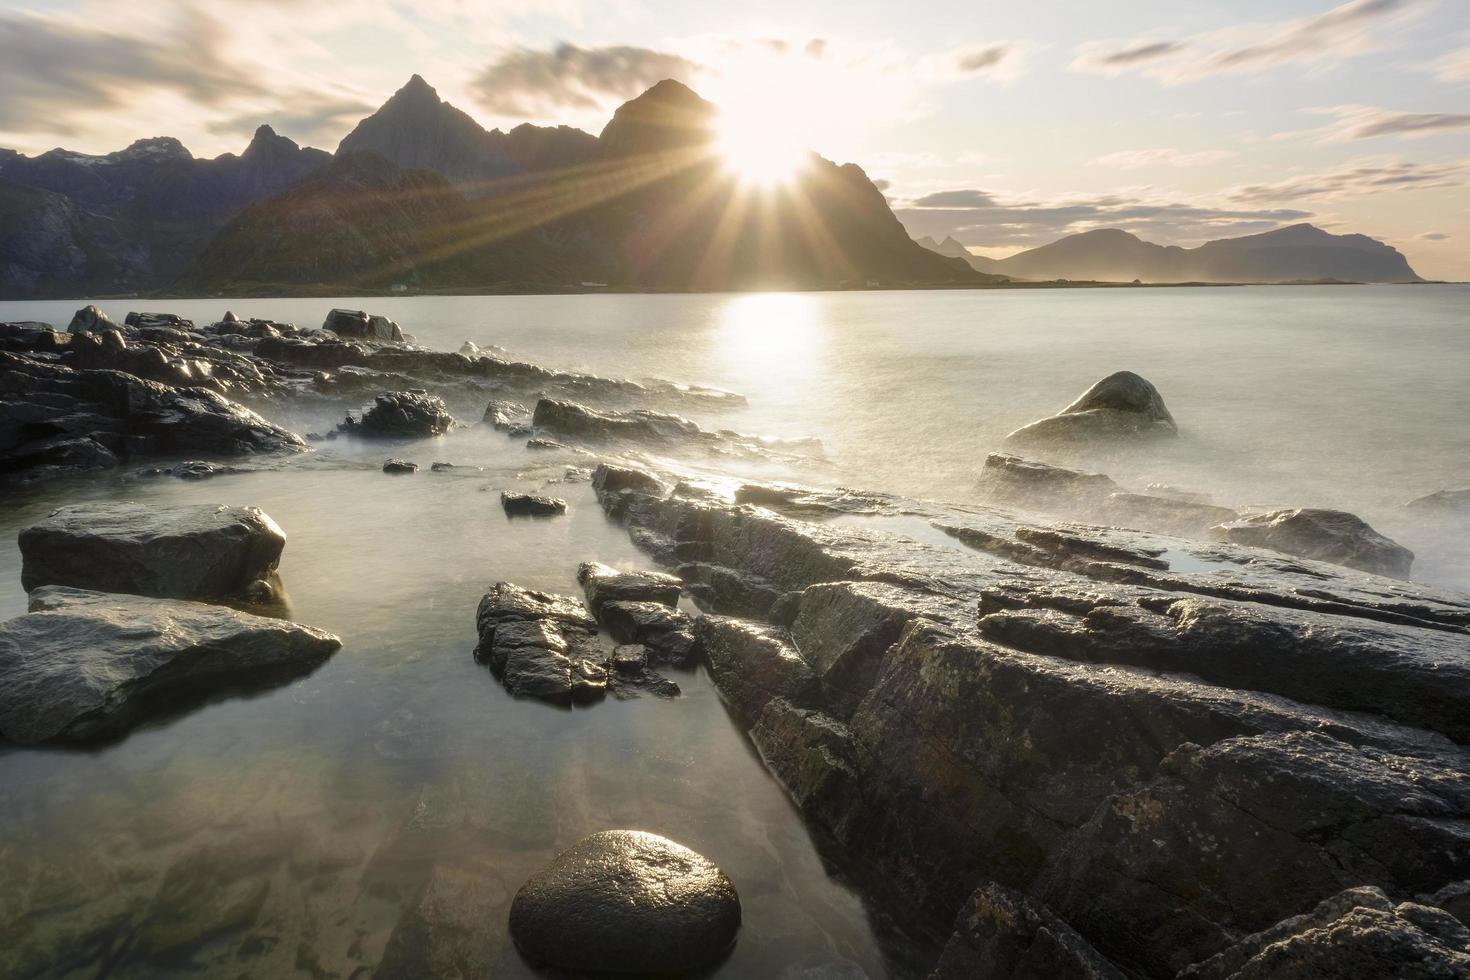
(668, 116)
(156, 147)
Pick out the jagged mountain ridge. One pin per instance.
(1300, 252)
(647, 204)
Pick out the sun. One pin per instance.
(761, 145)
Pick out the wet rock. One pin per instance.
(625, 901)
(723, 589)
(357, 324)
(37, 339)
(83, 665)
(441, 467)
(1442, 503)
(192, 469)
(1170, 515)
(508, 417)
(399, 467)
(444, 934)
(170, 321)
(1017, 482)
(91, 319)
(1356, 933)
(531, 505)
(1122, 407)
(56, 420)
(402, 415)
(544, 444)
(110, 351)
(610, 479)
(1000, 934)
(667, 633)
(183, 551)
(1325, 535)
(603, 584)
(534, 643)
(751, 664)
(843, 631)
(813, 756)
(570, 420)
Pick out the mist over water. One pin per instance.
(285, 833)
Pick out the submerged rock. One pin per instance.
(192, 469)
(402, 415)
(1326, 535)
(625, 901)
(1442, 503)
(399, 467)
(360, 325)
(1122, 407)
(531, 505)
(183, 552)
(85, 664)
(1016, 482)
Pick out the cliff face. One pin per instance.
(1297, 253)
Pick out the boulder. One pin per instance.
(602, 583)
(508, 417)
(83, 665)
(610, 479)
(91, 319)
(625, 901)
(1001, 934)
(666, 633)
(1015, 482)
(534, 643)
(1442, 503)
(1356, 933)
(171, 321)
(531, 505)
(402, 415)
(1121, 408)
(1325, 535)
(183, 551)
(568, 419)
(360, 325)
(399, 467)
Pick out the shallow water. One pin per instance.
(284, 833)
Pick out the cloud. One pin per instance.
(981, 218)
(59, 69)
(1162, 157)
(1432, 236)
(1361, 122)
(1355, 179)
(527, 82)
(1453, 67)
(316, 120)
(1347, 31)
(1000, 61)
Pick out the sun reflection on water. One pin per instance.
(766, 334)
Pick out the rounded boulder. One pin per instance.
(626, 901)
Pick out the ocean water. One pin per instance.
(285, 833)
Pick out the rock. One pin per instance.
(751, 664)
(402, 415)
(602, 583)
(1454, 898)
(192, 469)
(91, 319)
(181, 552)
(531, 505)
(1442, 503)
(56, 420)
(625, 901)
(640, 425)
(610, 479)
(441, 467)
(168, 320)
(443, 935)
(1356, 933)
(1000, 934)
(667, 633)
(1016, 482)
(1170, 515)
(1325, 535)
(1122, 407)
(357, 324)
(725, 590)
(398, 467)
(229, 317)
(534, 643)
(83, 664)
(508, 417)
(545, 444)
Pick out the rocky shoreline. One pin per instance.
(1225, 744)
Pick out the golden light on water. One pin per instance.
(771, 334)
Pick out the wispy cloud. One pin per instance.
(1355, 179)
(986, 219)
(1453, 67)
(527, 83)
(1344, 32)
(999, 61)
(1432, 236)
(1162, 157)
(1361, 122)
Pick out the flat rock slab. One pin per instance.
(83, 665)
(178, 552)
(531, 505)
(603, 583)
(624, 901)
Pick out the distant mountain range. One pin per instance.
(420, 194)
(1299, 253)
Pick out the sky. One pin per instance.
(1005, 124)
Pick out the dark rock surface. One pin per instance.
(641, 426)
(602, 584)
(359, 325)
(1326, 535)
(402, 415)
(191, 469)
(1161, 746)
(399, 467)
(625, 901)
(179, 552)
(531, 504)
(1001, 934)
(666, 633)
(1122, 407)
(84, 665)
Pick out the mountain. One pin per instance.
(133, 219)
(417, 130)
(949, 247)
(646, 204)
(1300, 252)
